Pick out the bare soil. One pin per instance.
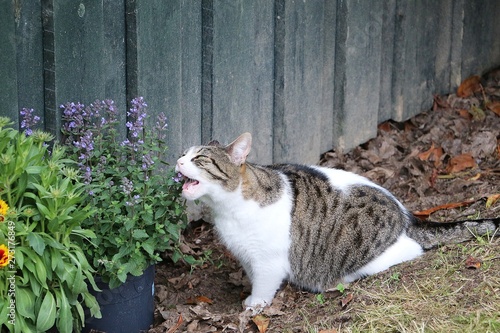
(447, 156)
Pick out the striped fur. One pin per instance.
(311, 225)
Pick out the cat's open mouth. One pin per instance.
(189, 182)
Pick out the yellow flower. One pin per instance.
(4, 255)
(3, 208)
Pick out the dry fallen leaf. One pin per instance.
(461, 162)
(433, 154)
(464, 114)
(492, 199)
(333, 330)
(385, 126)
(176, 326)
(347, 299)
(472, 262)
(427, 212)
(198, 300)
(262, 322)
(440, 103)
(474, 178)
(494, 106)
(469, 86)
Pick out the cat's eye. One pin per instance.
(201, 158)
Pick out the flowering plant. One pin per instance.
(138, 210)
(44, 274)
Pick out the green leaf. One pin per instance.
(44, 210)
(139, 234)
(86, 233)
(20, 259)
(47, 315)
(36, 242)
(66, 273)
(40, 271)
(53, 243)
(174, 230)
(4, 310)
(91, 303)
(148, 247)
(79, 286)
(34, 169)
(25, 303)
(81, 313)
(55, 258)
(64, 319)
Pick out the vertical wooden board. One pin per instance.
(327, 108)
(243, 73)
(457, 30)
(113, 58)
(298, 124)
(481, 42)
(387, 60)
(415, 57)
(207, 56)
(8, 75)
(89, 52)
(169, 68)
(443, 46)
(357, 71)
(30, 57)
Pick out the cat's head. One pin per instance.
(209, 169)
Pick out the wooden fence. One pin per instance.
(302, 76)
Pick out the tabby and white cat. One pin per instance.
(311, 225)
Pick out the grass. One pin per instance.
(435, 293)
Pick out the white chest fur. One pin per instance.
(259, 237)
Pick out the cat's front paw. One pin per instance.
(256, 303)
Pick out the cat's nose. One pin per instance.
(179, 164)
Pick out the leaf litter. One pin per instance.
(443, 164)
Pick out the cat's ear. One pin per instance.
(214, 143)
(238, 150)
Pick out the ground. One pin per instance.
(444, 165)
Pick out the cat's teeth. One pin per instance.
(189, 182)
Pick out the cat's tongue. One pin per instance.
(189, 182)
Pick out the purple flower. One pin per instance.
(28, 120)
(136, 116)
(177, 178)
(127, 186)
(85, 145)
(161, 126)
(87, 176)
(147, 161)
(73, 115)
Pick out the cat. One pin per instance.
(310, 225)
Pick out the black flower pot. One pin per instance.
(128, 308)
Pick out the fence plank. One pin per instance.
(415, 57)
(300, 110)
(387, 22)
(30, 57)
(89, 53)
(357, 71)
(327, 76)
(169, 67)
(8, 74)
(481, 42)
(243, 73)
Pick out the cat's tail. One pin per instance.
(432, 234)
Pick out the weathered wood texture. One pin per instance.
(302, 76)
